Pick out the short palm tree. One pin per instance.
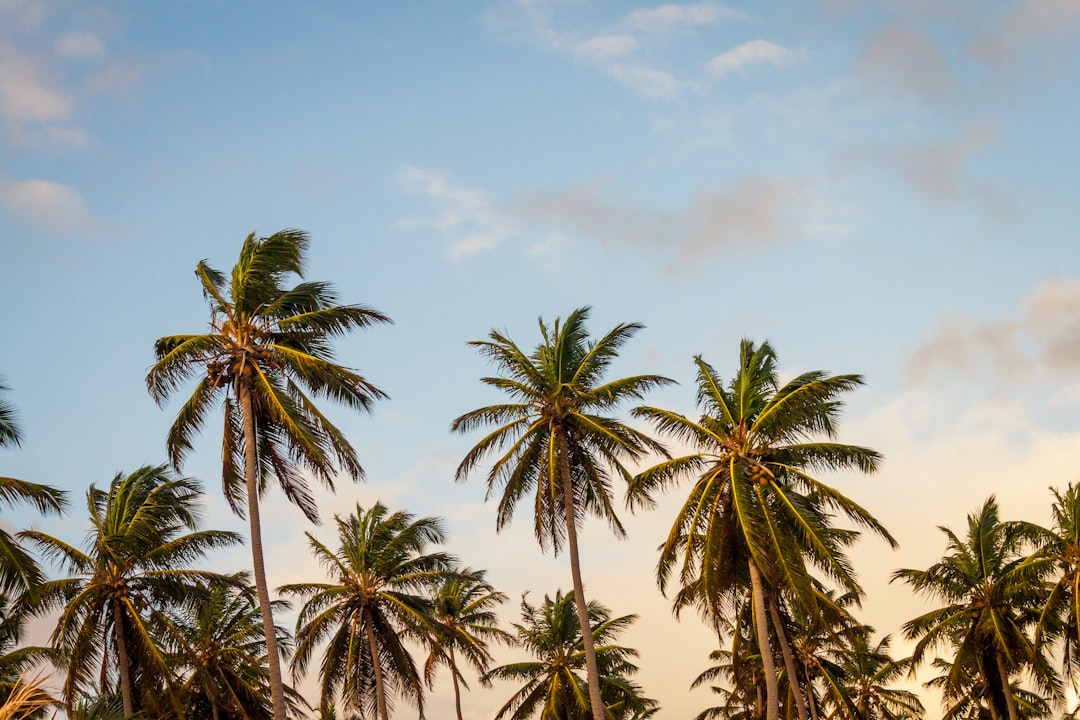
(863, 689)
(18, 661)
(755, 512)
(557, 439)
(143, 541)
(219, 649)
(380, 595)
(465, 623)
(990, 602)
(26, 700)
(267, 353)
(553, 688)
(19, 571)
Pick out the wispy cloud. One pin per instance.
(755, 52)
(628, 49)
(46, 204)
(25, 95)
(905, 60)
(1042, 338)
(465, 211)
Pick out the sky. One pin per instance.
(883, 188)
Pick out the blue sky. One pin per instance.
(884, 188)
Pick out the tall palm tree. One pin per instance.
(219, 649)
(267, 353)
(1057, 558)
(380, 595)
(465, 622)
(553, 685)
(990, 602)
(19, 571)
(143, 541)
(561, 443)
(755, 513)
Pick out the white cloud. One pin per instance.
(605, 47)
(465, 209)
(754, 52)
(24, 95)
(47, 204)
(79, 45)
(668, 18)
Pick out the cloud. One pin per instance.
(754, 52)
(752, 212)
(464, 209)
(46, 204)
(79, 45)
(24, 95)
(606, 47)
(1042, 339)
(940, 171)
(900, 59)
(670, 18)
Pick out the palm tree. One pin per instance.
(1057, 558)
(991, 600)
(755, 513)
(219, 647)
(26, 700)
(382, 573)
(552, 682)
(18, 661)
(465, 622)
(18, 570)
(137, 562)
(268, 350)
(559, 439)
(862, 689)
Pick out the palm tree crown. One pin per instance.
(382, 572)
(137, 563)
(557, 441)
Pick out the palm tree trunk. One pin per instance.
(1010, 701)
(761, 626)
(789, 661)
(122, 660)
(251, 470)
(214, 710)
(592, 669)
(457, 690)
(380, 691)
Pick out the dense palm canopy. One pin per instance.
(137, 563)
(464, 625)
(553, 687)
(556, 440)
(218, 649)
(380, 595)
(267, 354)
(755, 512)
(990, 600)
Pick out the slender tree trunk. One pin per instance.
(380, 691)
(214, 710)
(789, 661)
(1010, 701)
(761, 626)
(251, 478)
(592, 670)
(122, 660)
(811, 702)
(457, 690)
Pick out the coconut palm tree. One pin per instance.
(267, 353)
(755, 514)
(553, 686)
(465, 623)
(27, 699)
(379, 596)
(137, 562)
(218, 648)
(861, 688)
(18, 662)
(19, 571)
(1057, 559)
(557, 439)
(990, 603)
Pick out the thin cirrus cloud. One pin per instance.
(753, 212)
(1042, 338)
(755, 52)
